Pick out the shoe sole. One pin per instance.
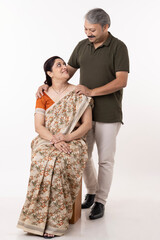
(94, 218)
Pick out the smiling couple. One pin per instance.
(68, 126)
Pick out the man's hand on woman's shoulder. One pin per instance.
(80, 89)
(40, 90)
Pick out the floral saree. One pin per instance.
(55, 176)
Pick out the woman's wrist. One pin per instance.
(68, 137)
(52, 140)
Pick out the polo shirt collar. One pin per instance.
(106, 43)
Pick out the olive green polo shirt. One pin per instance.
(97, 68)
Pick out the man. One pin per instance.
(104, 67)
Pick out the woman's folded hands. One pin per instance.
(63, 147)
(60, 137)
(60, 142)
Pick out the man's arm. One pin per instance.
(71, 71)
(118, 83)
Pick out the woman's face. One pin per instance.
(59, 70)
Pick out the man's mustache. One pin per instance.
(91, 36)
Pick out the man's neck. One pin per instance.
(96, 45)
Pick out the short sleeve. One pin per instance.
(40, 105)
(73, 61)
(121, 59)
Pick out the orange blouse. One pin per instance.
(43, 103)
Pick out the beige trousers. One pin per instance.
(104, 135)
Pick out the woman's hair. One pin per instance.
(48, 67)
(98, 15)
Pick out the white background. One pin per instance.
(34, 30)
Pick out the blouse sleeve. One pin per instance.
(40, 105)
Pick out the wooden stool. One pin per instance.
(77, 207)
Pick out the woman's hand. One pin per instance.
(40, 90)
(63, 147)
(60, 137)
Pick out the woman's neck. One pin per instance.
(59, 86)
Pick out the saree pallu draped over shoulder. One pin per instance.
(55, 176)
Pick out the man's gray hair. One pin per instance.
(98, 16)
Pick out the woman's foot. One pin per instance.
(47, 235)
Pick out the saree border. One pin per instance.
(55, 103)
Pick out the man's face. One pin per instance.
(94, 32)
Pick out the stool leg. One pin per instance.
(77, 207)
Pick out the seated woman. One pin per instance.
(59, 154)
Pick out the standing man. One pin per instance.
(104, 66)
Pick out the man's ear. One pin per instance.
(105, 27)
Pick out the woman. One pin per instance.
(59, 154)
